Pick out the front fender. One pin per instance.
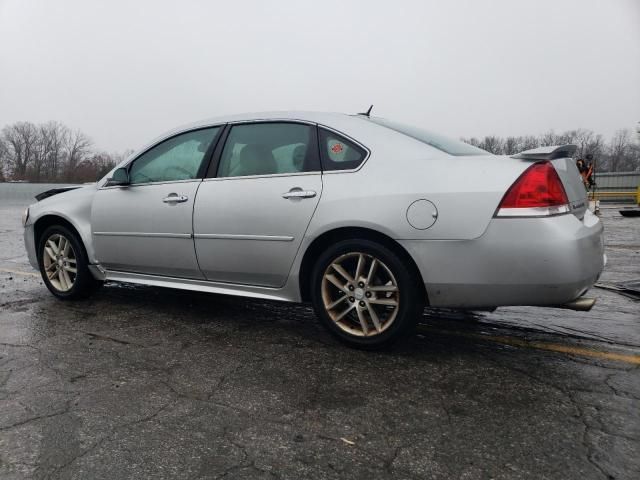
(73, 206)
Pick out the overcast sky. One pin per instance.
(125, 71)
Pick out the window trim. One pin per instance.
(352, 140)
(201, 170)
(212, 171)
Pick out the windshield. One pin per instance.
(448, 145)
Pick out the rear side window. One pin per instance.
(269, 149)
(338, 153)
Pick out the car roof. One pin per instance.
(353, 126)
(339, 121)
(307, 116)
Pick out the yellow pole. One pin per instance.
(638, 195)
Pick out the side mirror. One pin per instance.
(120, 178)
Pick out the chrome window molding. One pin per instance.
(272, 120)
(247, 177)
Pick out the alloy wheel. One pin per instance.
(60, 264)
(360, 294)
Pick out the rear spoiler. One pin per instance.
(547, 153)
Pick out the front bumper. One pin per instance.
(29, 244)
(517, 261)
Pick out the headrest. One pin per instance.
(256, 159)
(298, 156)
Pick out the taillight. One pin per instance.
(538, 192)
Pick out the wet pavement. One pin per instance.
(141, 382)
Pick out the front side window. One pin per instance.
(338, 153)
(269, 149)
(178, 158)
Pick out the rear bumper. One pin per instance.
(517, 261)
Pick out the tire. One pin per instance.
(393, 292)
(56, 266)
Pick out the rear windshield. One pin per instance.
(448, 145)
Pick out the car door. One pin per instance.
(251, 215)
(146, 226)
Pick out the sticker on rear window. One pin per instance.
(337, 148)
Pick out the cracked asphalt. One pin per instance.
(141, 382)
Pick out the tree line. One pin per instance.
(619, 154)
(51, 152)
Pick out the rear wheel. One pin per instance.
(365, 294)
(63, 264)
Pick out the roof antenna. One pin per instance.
(368, 112)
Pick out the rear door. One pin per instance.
(251, 215)
(146, 227)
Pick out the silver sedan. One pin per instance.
(368, 219)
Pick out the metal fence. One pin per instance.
(618, 180)
(618, 187)
(24, 193)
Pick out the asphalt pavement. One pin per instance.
(141, 382)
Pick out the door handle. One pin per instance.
(299, 193)
(175, 198)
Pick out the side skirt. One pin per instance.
(192, 284)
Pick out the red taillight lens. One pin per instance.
(539, 186)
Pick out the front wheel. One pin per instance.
(365, 294)
(63, 264)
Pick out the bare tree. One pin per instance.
(78, 147)
(621, 154)
(549, 138)
(471, 141)
(55, 137)
(492, 144)
(40, 153)
(52, 152)
(619, 148)
(99, 164)
(512, 145)
(529, 142)
(3, 159)
(20, 143)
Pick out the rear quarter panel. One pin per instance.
(400, 170)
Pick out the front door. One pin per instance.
(249, 220)
(146, 227)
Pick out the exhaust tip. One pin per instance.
(582, 304)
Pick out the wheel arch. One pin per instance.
(319, 244)
(49, 220)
